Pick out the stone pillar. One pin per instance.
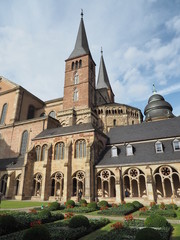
(150, 185)
(118, 185)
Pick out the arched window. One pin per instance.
(38, 153)
(37, 184)
(43, 153)
(176, 145)
(76, 78)
(76, 65)
(80, 149)
(57, 184)
(4, 184)
(18, 180)
(72, 66)
(159, 147)
(59, 151)
(24, 142)
(75, 96)
(80, 63)
(52, 114)
(31, 111)
(114, 122)
(129, 150)
(3, 114)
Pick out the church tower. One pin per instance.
(79, 86)
(104, 90)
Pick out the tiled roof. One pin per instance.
(11, 163)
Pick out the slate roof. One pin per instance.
(11, 163)
(145, 131)
(144, 153)
(81, 46)
(144, 150)
(103, 79)
(61, 131)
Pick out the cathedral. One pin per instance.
(87, 142)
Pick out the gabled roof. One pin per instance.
(103, 80)
(145, 131)
(62, 131)
(11, 163)
(81, 47)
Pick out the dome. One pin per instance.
(157, 108)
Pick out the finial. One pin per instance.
(101, 51)
(154, 89)
(82, 13)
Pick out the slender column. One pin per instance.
(118, 185)
(138, 187)
(163, 187)
(130, 183)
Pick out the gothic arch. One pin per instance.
(57, 184)
(78, 183)
(37, 184)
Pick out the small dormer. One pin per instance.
(176, 145)
(159, 147)
(129, 150)
(114, 152)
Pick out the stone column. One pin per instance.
(118, 185)
(150, 185)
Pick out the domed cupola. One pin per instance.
(157, 108)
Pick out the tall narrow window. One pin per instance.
(76, 78)
(114, 122)
(59, 151)
(80, 63)
(43, 153)
(72, 66)
(38, 153)
(3, 114)
(158, 147)
(24, 142)
(76, 65)
(80, 149)
(31, 111)
(75, 96)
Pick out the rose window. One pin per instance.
(133, 172)
(105, 174)
(59, 176)
(80, 175)
(165, 171)
(38, 177)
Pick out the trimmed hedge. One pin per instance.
(92, 205)
(8, 224)
(83, 202)
(137, 204)
(165, 213)
(148, 234)
(103, 203)
(37, 233)
(54, 206)
(80, 210)
(123, 209)
(45, 216)
(79, 221)
(70, 203)
(155, 220)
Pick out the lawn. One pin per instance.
(8, 204)
(176, 232)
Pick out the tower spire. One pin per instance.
(154, 91)
(81, 46)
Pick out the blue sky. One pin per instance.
(140, 40)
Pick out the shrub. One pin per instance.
(155, 220)
(162, 206)
(68, 215)
(103, 204)
(117, 225)
(92, 205)
(148, 234)
(70, 203)
(171, 206)
(44, 215)
(83, 202)
(79, 221)
(129, 217)
(38, 232)
(8, 224)
(137, 204)
(57, 215)
(54, 206)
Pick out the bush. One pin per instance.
(44, 215)
(137, 204)
(92, 205)
(83, 202)
(172, 206)
(57, 216)
(103, 204)
(70, 203)
(155, 220)
(123, 209)
(79, 221)
(8, 224)
(148, 234)
(54, 206)
(37, 233)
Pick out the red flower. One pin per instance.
(117, 225)
(129, 217)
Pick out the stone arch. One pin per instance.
(37, 184)
(106, 184)
(78, 183)
(3, 185)
(17, 182)
(167, 181)
(134, 182)
(57, 184)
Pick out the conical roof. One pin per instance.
(103, 80)
(157, 108)
(81, 45)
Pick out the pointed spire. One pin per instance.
(103, 80)
(154, 91)
(81, 45)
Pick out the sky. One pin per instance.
(140, 41)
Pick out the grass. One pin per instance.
(98, 232)
(8, 204)
(176, 232)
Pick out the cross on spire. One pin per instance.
(82, 13)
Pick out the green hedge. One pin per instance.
(148, 234)
(79, 221)
(70, 203)
(92, 205)
(37, 233)
(103, 203)
(166, 213)
(80, 210)
(8, 224)
(123, 209)
(157, 221)
(54, 206)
